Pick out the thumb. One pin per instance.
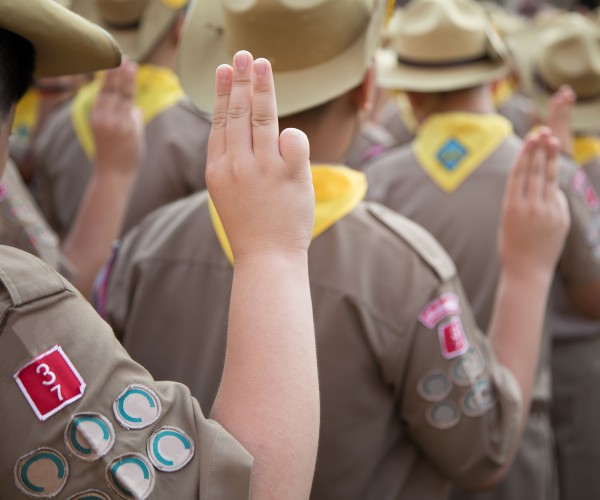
(295, 152)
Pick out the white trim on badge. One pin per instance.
(34, 490)
(170, 449)
(137, 407)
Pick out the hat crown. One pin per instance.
(121, 13)
(571, 55)
(433, 31)
(295, 34)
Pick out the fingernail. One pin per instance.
(242, 59)
(260, 66)
(223, 73)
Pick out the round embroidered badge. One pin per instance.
(434, 387)
(89, 436)
(170, 449)
(90, 495)
(131, 476)
(42, 473)
(479, 399)
(137, 407)
(443, 415)
(465, 370)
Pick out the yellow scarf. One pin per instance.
(450, 146)
(26, 114)
(337, 191)
(158, 89)
(405, 111)
(585, 149)
(504, 90)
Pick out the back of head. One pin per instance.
(139, 26)
(440, 46)
(319, 49)
(17, 60)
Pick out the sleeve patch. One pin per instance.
(480, 399)
(170, 449)
(453, 340)
(447, 304)
(582, 187)
(50, 382)
(42, 473)
(443, 415)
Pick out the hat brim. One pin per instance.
(204, 47)
(138, 43)
(392, 74)
(64, 42)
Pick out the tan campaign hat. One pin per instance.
(137, 25)
(319, 49)
(565, 51)
(64, 42)
(441, 45)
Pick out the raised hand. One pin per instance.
(535, 212)
(116, 123)
(259, 180)
(559, 117)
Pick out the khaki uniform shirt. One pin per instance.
(21, 224)
(520, 111)
(372, 141)
(406, 379)
(77, 414)
(173, 167)
(466, 223)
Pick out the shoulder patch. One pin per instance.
(417, 237)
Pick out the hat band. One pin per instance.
(444, 64)
(549, 89)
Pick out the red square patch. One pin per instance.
(453, 340)
(50, 382)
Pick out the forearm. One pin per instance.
(268, 398)
(97, 225)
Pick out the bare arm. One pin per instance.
(260, 182)
(535, 223)
(118, 132)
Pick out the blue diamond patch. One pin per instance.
(451, 154)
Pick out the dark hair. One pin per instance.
(17, 62)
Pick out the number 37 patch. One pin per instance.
(50, 382)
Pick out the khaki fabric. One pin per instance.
(21, 224)
(372, 141)
(466, 223)
(391, 118)
(372, 273)
(520, 111)
(173, 167)
(40, 310)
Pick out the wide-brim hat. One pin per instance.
(565, 51)
(137, 25)
(64, 42)
(439, 46)
(319, 49)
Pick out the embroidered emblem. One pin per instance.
(90, 495)
(451, 154)
(131, 476)
(18, 213)
(3, 191)
(89, 436)
(582, 187)
(453, 341)
(445, 305)
(479, 399)
(434, 387)
(50, 382)
(443, 415)
(465, 370)
(42, 473)
(170, 449)
(137, 407)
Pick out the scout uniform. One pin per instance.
(79, 419)
(576, 347)
(176, 133)
(451, 180)
(406, 378)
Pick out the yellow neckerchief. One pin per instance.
(158, 89)
(504, 90)
(26, 114)
(450, 146)
(405, 111)
(337, 191)
(585, 149)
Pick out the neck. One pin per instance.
(478, 100)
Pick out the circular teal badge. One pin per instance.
(89, 436)
(42, 473)
(131, 476)
(137, 407)
(170, 449)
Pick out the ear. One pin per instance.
(362, 95)
(177, 29)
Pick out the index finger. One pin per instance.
(217, 136)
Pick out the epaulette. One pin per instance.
(421, 241)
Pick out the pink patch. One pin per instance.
(3, 191)
(591, 198)
(453, 340)
(583, 188)
(50, 382)
(445, 305)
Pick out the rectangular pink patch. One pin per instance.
(445, 305)
(50, 382)
(453, 340)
